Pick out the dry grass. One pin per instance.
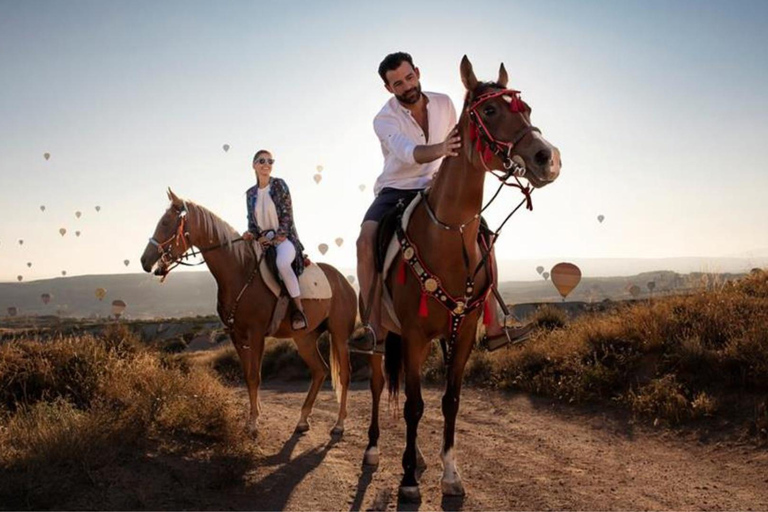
(672, 359)
(75, 405)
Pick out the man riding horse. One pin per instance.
(406, 127)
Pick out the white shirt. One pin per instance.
(399, 134)
(265, 211)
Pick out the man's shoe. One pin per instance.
(363, 340)
(508, 336)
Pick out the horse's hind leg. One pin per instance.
(340, 368)
(371, 456)
(307, 346)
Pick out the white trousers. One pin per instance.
(286, 253)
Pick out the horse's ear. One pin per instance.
(503, 77)
(173, 198)
(467, 75)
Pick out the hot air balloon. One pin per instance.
(339, 241)
(12, 311)
(545, 275)
(21, 242)
(19, 278)
(77, 233)
(63, 272)
(126, 262)
(634, 290)
(539, 269)
(351, 279)
(323, 248)
(98, 208)
(78, 214)
(42, 207)
(46, 298)
(600, 218)
(29, 264)
(565, 277)
(225, 147)
(101, 293)
(361, 187)
(46, 155)
(319, 168)
(651, 285)
(317, 178)
(118, 306)
(62, 231)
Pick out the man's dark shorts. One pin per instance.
(387, 200)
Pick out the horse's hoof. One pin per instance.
(410, 494)
(455, 488)
(371, 457)
(301, 428)
(337, 431)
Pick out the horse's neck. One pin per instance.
(223, 263)
(456, 195)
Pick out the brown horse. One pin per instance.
(436, 289)
(245, 303)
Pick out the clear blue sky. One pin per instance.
(659, 109)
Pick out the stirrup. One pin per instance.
(508, 336)
(364, 342)
(298, 315)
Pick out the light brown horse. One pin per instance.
(437, 293)
(246, 304)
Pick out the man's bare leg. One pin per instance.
(500, 334)
(370, 283)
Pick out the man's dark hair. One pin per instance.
(259, 152)
(391, 62)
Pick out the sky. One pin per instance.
(658, 108)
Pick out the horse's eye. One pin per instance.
(489, 111)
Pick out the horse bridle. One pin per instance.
(486, 144)
(180, 237)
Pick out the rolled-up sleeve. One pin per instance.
(391, 137)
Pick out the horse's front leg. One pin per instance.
(251, 349)
(451, 483)
(415, 349)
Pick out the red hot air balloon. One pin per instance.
(565, 277)
(46, 298)
(118, 306)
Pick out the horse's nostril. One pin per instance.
(542, 157)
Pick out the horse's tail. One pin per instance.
(393, 364)
(335, 368)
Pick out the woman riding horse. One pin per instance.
(270, 211)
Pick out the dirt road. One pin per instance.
(513, 453)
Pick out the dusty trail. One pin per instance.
(513, 453)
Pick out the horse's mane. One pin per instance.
(219, 231)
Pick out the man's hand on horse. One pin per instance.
(452, 144)
(247, 236)
(265, 242)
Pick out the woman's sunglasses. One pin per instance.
(262, 161)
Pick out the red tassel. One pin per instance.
(401, 272)
(487, 154)
(487, 314)
(423, 306)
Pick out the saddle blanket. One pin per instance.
(313, 282)
(392, 251)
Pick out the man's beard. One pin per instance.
(410, 97)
